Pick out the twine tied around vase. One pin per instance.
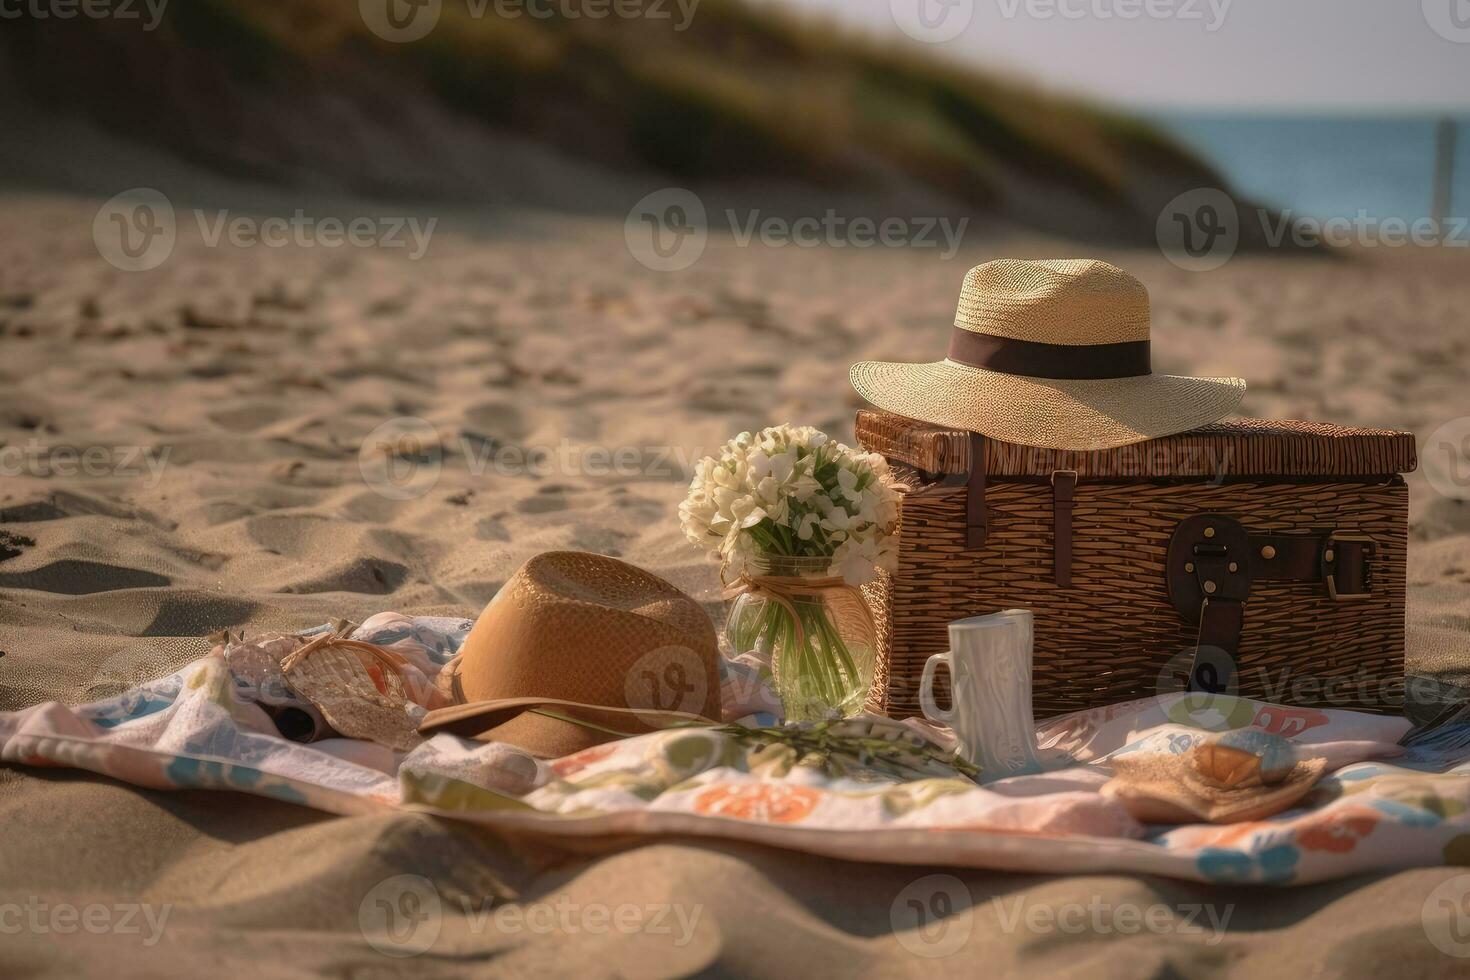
(785, 590)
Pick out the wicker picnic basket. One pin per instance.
(1271, 552)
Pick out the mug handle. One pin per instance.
(932, 710)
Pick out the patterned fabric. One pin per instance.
(1381, 807)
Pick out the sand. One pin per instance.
(559, 391)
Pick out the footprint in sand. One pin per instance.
(72, 576)
(185, 612)
(548, 500)
(369, 576)
(499, 421)
(293, 535)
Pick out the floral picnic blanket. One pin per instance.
(1380, 807)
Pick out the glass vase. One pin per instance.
(814, 630)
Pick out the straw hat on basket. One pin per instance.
(578, 649)
(1052, 354)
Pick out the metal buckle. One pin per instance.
(1057, 473)
(1370, 546)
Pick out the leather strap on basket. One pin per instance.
(1213, 561)
(1063, 485)
(977, 518)
(977, 521)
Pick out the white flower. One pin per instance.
(803, 486)
(856, 561)
(763, 491)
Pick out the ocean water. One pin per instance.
(1328, 166)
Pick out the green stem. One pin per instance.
(817, 631)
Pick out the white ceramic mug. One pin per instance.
(989, 661)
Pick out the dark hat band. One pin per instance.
(1075, 362)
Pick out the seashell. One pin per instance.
(1156, 788)
(1243, 757)
(1225, 766)
(255, 665)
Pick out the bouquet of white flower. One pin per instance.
(800, 521)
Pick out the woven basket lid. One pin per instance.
(1234, 449)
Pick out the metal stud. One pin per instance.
(1189, 566)
(1268, 552)
(1210, 587)
(1328, 555)
(1209, 532)
(1234, 567)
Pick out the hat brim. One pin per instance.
(1050, 413)
(549, 728)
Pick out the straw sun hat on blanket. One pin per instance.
(578, 649)
(1052, 354)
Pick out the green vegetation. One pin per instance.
(743, 90)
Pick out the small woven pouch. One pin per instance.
(358, 687)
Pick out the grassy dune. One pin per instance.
(742, 90)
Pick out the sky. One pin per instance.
(1263, 55)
